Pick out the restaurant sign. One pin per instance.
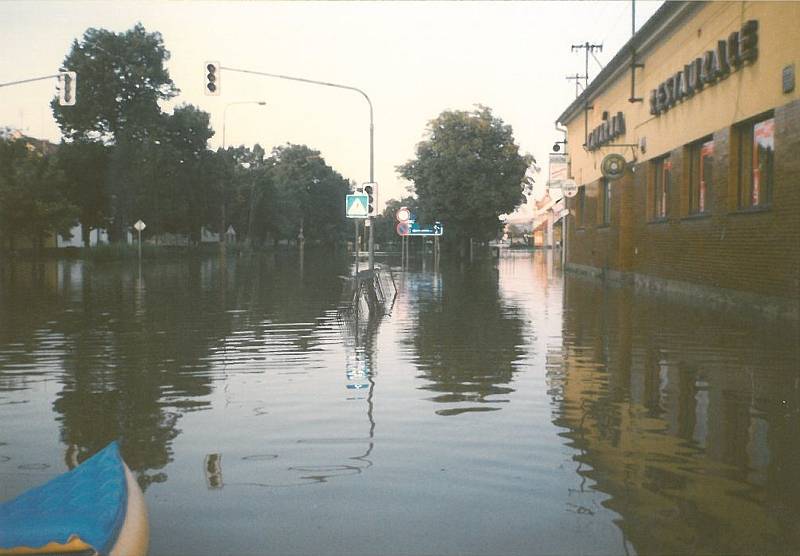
(714, 65)
(606, 132)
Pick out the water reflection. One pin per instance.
(232, 382)
(131, 351)
(690, 421)
(466, 339)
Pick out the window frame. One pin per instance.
(660, 196)
(700, 185)
(605, 202)
(580, 205)
(753, 190)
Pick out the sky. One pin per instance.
(413, 59)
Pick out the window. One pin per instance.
(605, 200)
(756, 166)
(701, 161)
(662, 172)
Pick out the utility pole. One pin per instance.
(577, 77)
(588, 48)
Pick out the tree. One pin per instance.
(121, 79)
(181, 187)
(467, 173)
(84, 165)
(32, 204)
(309, 195)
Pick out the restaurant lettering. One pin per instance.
(706, 70)
(606, 132)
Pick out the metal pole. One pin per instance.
(140, 246)
(371, 179)
(586, 72)
(338, 86)
(355, 245)
(28, 80)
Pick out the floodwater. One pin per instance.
(499, 408)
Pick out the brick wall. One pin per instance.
(752, 251)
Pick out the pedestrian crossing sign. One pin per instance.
(356, 206)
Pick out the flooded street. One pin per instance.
(500, 408)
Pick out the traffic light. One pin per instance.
(371, 189)
(212, 78)
(67, 87)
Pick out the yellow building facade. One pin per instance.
(702, 103)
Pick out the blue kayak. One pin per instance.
(96, 508)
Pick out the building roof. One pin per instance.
(667, 18)
(37, 145)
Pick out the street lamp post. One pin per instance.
(224, 144)
(225, 114)
(371, 131)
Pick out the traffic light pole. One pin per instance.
(371, 131)
(28, 80)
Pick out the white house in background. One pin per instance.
(207, 236)
(100, 237)
(96, 237)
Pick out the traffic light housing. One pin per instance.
(371, 189)
(212, 71)
(67, 88)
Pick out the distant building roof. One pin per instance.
(40, 145)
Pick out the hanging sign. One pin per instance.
(570, 188)
(557, 170)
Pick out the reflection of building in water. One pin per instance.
(689, 420)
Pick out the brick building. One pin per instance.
(703, 105)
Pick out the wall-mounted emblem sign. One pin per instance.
(740, 48)
(606, 132)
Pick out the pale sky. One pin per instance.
(414, 60)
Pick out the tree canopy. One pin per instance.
(122, 159)
(32, 203)
(121, 79)
(467, 172)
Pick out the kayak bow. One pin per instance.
(95, 509)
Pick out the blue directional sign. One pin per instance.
(356, 206)
(414, 229)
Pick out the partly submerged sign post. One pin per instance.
(139, 227)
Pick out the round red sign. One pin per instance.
(402, 228)
(403, 215)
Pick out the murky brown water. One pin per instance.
(499, 409)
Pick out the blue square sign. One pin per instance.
(356, 206)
